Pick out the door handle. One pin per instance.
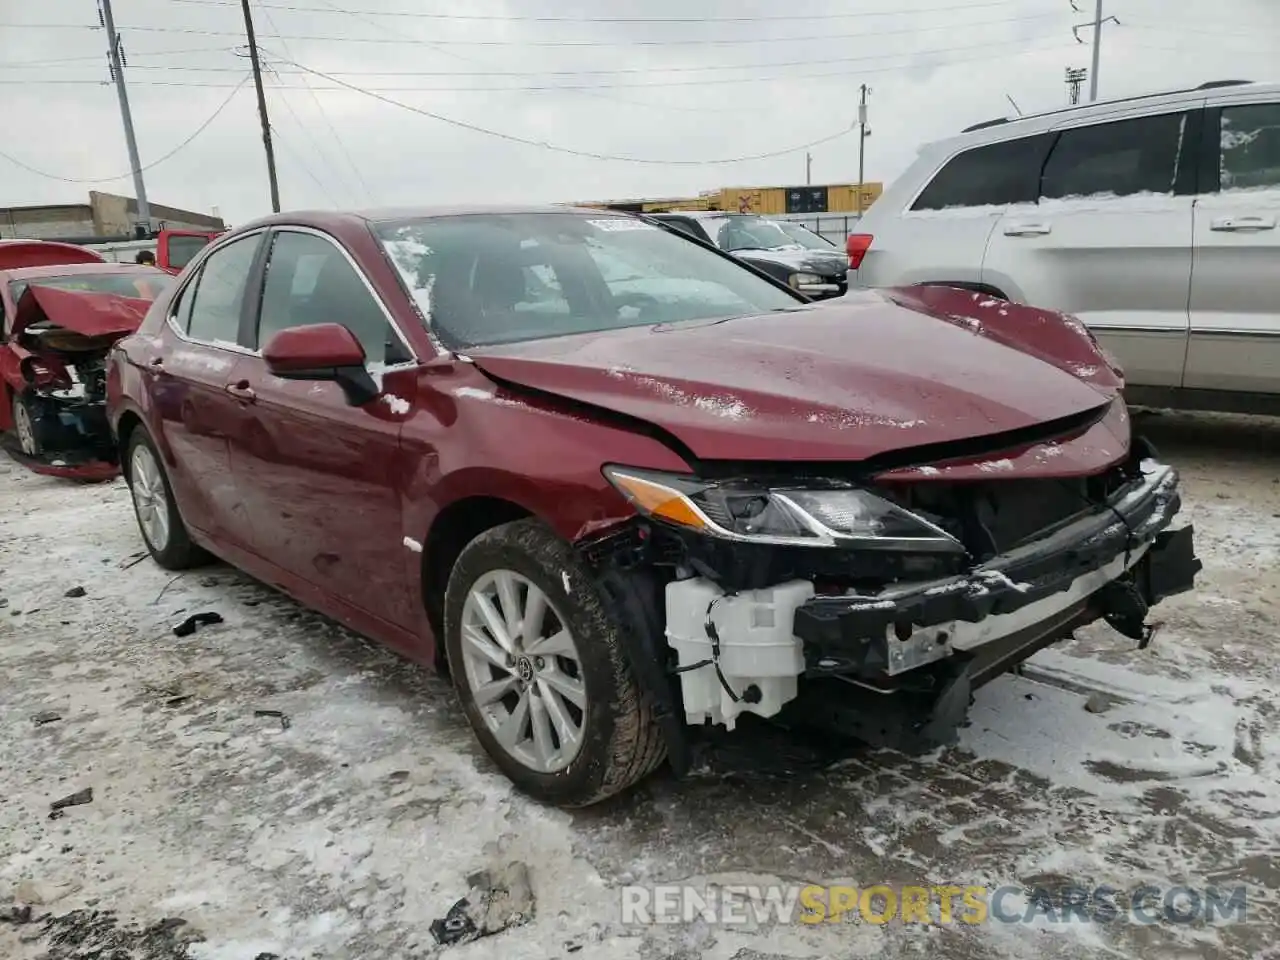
(1241, 224)
(1027, 230)
(241, 391)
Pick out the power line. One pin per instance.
(660, 84)
(556, 148)
(681, 41)
(154, 163)
(453, 54)
(324, 114)
(648, 71)
(97, 58)
(302, 8)
(302, 163)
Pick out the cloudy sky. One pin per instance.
(682, 83)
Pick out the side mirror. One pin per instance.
(325, 351)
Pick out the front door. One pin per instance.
(1109, 239)
(322, 479)
(1235, 285)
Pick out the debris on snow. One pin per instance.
(75, 592)
(46, 716)
(1099, 703)
(495, 901)
(189, 626)
(285, 722)
(77, 799)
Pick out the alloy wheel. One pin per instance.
(146, 483)
(523, 671)
(25, 429)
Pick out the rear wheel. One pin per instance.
(158, 519)
(538, 665)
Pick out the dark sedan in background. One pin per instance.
(816, 269)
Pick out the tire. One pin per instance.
(24, 427)
(618, 742)
(149, 488)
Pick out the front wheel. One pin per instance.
(153, 504)
(24, 425)
(538, 665)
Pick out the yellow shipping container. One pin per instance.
(767, 201)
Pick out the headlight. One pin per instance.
(797, 280)
(736, 510)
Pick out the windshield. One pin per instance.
(804, 236)
(142, 284)
(501, 278)
(747, 233)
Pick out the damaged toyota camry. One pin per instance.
(61, 309)
(624, 488)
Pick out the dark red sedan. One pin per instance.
(623, 486)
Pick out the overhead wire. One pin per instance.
(526, 18)
(154, 163)
(324, 115)
(675, 42)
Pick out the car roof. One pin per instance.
(75, 269)
(1002, 128)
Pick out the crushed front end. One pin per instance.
(876, 604)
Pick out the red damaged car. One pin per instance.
(61, 308)
(624, 487)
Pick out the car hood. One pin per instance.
(89, 314)
(848, 380)
(813, 261)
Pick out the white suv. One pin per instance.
(1153, 219)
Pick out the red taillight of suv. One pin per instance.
(856, 246)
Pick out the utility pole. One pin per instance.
(262, 108)
(1097, 51)
(1096, 23)
(1075, 77)
(808, 169)
(863, 132)
(116, 61)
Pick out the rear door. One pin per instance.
(943, 234)
(190, 383)
(321, 478)
(1235, 281)
(1109, 238)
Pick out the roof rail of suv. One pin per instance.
(1210, 85)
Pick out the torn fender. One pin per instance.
(83, 312)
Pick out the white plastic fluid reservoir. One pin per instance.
(758, 648)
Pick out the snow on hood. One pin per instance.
(855, 378)
(89, 313)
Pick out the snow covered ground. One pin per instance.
(343, 832)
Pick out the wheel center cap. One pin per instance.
(524, 669)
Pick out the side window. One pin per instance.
(1250, 146)
(181, 309)
(310, 281)
(995, 175)
(1119, 159)
(211, 308)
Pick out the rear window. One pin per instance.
(1250, 147)
(1119, 159)
(994, 175)
(183, 249)
(144, 285)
